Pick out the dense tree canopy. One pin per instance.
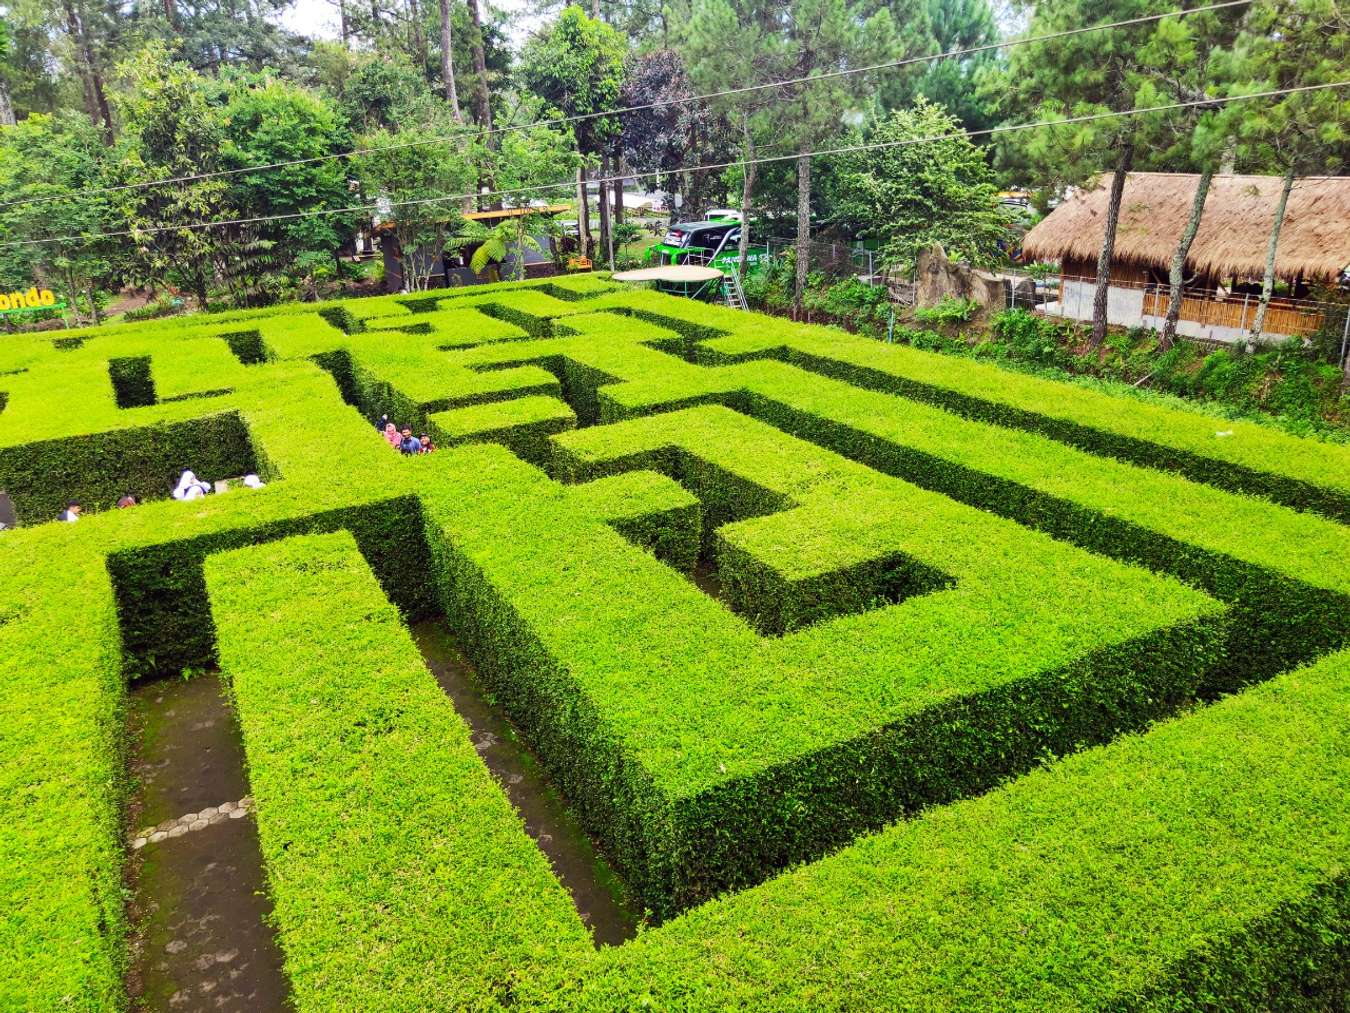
(909, 195)
(469, 105)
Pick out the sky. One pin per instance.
(318, 19)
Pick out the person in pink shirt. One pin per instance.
(391, 436)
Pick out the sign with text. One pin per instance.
(25, 302)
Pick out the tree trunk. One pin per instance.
(1177, 273)
(73, 31)
(6, 106)
(803, 228)
(747, 194)
(344, 28)
(1099, 299)
(1268, 282)
(482, 103)
(94, 103)
(448, 61)
(419, 36)
(171, 14)
(595, 9)
(602, 201)
(616, 188)
(584, 244)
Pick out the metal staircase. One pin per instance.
(732, 291)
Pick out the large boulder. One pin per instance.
(938, 278)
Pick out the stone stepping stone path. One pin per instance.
(193, 821)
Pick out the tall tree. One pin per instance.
(955, 83)
(173, 129)
(91, 70)
(1086, 74)
(665, 140)
(410, 184)
(482, 102)
(757, 117)
(909, 195)
(1293, 44)
(448, 60)
(272, 121)
(576, 65)
(1192, 60)
(6, 103)
(52, 169)
(822, 36)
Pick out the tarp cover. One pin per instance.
(674, 272)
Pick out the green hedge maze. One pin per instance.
(883, 680)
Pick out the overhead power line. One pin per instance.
(643, 107)
(710, 166)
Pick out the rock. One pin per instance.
(939, 278)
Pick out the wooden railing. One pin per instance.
(1282, 316)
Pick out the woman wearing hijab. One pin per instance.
(392, 436)
(190, 487)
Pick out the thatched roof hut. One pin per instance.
(1239, 212)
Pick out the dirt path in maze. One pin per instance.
(595, 888)
(198, 910)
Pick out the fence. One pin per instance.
(1209, 316)
(835, 260)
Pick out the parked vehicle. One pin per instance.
(714, 243)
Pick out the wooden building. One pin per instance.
(1227, 259)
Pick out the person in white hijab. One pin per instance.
(190, 487)
(253, 481)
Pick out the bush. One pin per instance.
(949, 310)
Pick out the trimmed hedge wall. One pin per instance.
(421, 890)
(716, 832)
(100, 468)
(1200, 866)
(917, 578)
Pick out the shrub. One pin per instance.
(948, 310)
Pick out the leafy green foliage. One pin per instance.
(577, 67)
(949, 310)
(910, 195)
(419, 181)
(53, 161)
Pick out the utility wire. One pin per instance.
(384, 206)
(660, 104)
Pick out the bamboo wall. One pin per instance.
(1281, 318)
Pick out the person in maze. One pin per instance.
(190, 487)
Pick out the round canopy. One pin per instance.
(675, 272)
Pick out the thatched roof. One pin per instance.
(1239, 212)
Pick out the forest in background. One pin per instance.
(438, 109)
